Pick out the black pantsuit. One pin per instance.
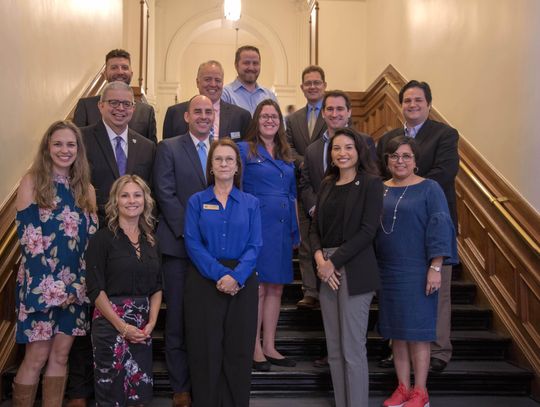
(228, 325)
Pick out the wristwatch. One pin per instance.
(436, 268)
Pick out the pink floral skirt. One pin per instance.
(122, 370)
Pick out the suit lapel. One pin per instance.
(352, 197)
(302, 124)
(104, 144)
(319, 128)
(324, 195)
(424, 132)
(319, 165)
(191, 153)
(223, 120)
(133, 152)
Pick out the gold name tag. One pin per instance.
(211, 207)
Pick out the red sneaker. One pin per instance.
(398, 397)
(418, 398)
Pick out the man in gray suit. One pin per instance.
(303, 128)
(229, 120)
(179, 172)
(118, 68)
(113, 150)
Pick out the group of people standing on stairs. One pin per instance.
(395, 239)
(223, 186)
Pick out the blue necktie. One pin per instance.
(121, 159)
(201, 149)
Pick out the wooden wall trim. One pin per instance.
(499, 232)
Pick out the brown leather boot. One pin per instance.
(24, 395)
(53, 391)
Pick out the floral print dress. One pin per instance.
(53, 242)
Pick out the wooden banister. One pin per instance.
(499, 232)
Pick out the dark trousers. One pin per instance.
(80, 383)
(220, 336)
(174, 271)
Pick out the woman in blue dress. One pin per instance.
(56, 207)
(269, 175)
(415, 238)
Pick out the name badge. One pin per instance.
(211, 207)
(235, 135)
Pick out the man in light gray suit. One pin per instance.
(303, 128)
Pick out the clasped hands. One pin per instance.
(328, 273)
(136, 335)
(228, 285)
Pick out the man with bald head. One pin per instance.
(230, 120)
(179, 172)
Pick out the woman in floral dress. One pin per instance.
(124, 283)
(56, 207)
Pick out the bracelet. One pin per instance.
(436, 268)
(124, 331)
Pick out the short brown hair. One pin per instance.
(245, 48)
(226, 142)
(118, 53)
(313, 68)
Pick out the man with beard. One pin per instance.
(244, 90)
(118, 68)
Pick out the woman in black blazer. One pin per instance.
(342, 231)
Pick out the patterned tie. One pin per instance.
(312, 120)
(201, 149)
(121, 159)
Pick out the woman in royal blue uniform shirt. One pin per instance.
(223, 239)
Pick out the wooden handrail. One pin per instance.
(501, 209)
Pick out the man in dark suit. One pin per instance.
(112, 150)
(336, 112)
(230, 120)
(439, 160)
(179, 172)
(304, 127)
(118, 68)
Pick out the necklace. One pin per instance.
(394, 218)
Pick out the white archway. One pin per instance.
(204, 22)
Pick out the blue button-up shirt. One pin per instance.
(236, 94)
(214, 233)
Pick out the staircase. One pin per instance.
(478, 366)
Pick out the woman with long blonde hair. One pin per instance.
(124, 283)
(56, 207)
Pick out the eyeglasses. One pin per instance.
(226, 160)
(265, 117)
(404, 157)
(308, 84)
(126, 104)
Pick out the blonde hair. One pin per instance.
(79, 172)
(146, 220)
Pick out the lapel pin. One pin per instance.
(357, 183)
(134, 141)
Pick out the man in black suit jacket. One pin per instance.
(230, 120)
(100, 139)
(439, 160)
(336, 112)
(178, 174)
(304, 127)
(117, 68)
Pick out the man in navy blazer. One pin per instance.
(439, 160)
(117, 68)
(100, 139)
(178, 174)
(230, 120)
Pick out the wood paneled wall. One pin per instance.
(499, 232)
